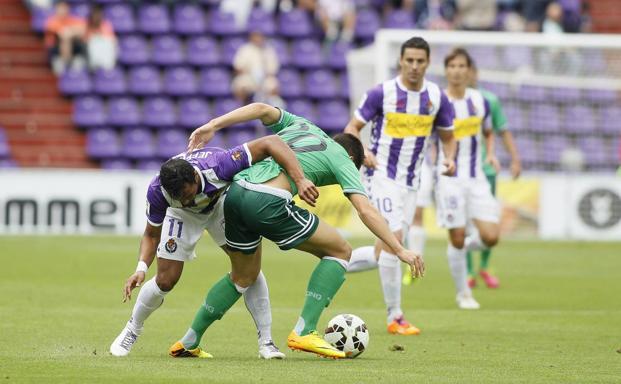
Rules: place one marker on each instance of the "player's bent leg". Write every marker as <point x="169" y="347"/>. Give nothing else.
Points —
<point x="489" y="233"/>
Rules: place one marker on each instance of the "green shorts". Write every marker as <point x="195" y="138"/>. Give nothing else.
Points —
<point x="254" y="210"/>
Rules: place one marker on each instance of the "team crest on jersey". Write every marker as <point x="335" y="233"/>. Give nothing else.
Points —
<point x="171" y="246"/>
<point x="236" y="155"/>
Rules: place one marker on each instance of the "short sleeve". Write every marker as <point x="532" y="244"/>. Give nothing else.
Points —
<point x="286" y="119"/>
<point x="499" y="119"/>
<point x="156" y="205"/>
<point x="487" y="115"/>
<point x="226" y="164"/>
<point x="446" y="114"/>
<point x="370" y="104"/>
<point x="348" y="177"/>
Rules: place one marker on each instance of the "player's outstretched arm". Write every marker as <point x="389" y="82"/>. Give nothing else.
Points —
<point x="148" y="245"/>
<point x="376" y="223"/>
<point x="275" y="147"/>
<point x="516" y="164"/>
<point x="264" y="112"/>
<point x="449" y="147"/>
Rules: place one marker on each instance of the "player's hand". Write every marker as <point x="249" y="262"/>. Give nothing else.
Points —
<point x="516" y="168"/>
<point x="493" y="161"/>
<point x="132" y="282"/>
<point x="307" y="191"/>
<point x="449" y="167"/>
<point x="201" y="136"/>
<point x="369" y="159"/>
<point x="415" y="261"/>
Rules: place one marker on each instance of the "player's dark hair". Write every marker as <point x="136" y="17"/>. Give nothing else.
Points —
<point x="174" y="174"/>
<point x="353" y="146"/>
<point x="417" y="43"/>
<point x="456" y="53"/>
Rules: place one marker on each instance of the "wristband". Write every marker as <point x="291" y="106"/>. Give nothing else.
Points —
<point x="142" y="267"/>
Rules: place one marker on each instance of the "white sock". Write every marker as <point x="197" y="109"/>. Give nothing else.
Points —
<point x="362" y="259"/>
<point x="390" y="277"/>
<point x="257" y="298"/>
<point x="149" y="299"/>
<point x="416" y="239"/>
<point x="459" y="270"/>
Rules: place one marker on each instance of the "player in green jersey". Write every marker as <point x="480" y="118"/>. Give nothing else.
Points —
<point x="259" y="204"/>
<point x="499" y="127"/>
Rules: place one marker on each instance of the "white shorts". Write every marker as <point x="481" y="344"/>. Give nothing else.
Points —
<point x="182" y="229"/>
<point x="396" y="203"/>
<point x="461" y="200"/>
<point x="424" y="197"/>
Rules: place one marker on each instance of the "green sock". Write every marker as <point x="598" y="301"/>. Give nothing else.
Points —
<point x="485" y="254"/>
<point x="469" y="263"/>
<point x="219" y="299"/>
<point x="325" y="281"/>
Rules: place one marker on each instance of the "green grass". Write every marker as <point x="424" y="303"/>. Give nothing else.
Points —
<point x="557" y="318"/>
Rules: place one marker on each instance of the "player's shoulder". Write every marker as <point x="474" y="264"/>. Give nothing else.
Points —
<point x="489" y="96"/>
<point x="474" y="94"/>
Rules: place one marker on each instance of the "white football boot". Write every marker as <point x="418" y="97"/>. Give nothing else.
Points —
<point x="466" y="301"/>
<point x="122" y="345"/>
<point x="270" y="351"/>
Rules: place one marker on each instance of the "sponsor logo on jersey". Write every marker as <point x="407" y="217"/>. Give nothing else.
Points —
<point x="402" y="125"/>
<point x="171" y="246"/>
<point x="467" y="127"/>
<point x="236" y="155"/>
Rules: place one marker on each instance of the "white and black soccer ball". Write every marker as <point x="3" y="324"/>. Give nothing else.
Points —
<point x="347" y="333"/>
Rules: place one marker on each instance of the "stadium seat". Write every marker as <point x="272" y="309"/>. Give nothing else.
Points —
<point x="8" y="164"/>
<point x="399" y="19"/>
<point x="551" y="149"/>
<point x="39" y="17"/>
<point x="109" y="82"/>
<point x="102" y="143"/>
<point x="215" y="82"/>
<point x="306" y="54"/>
<point x="600" y="96"/>
<point x="74" y="82"/>
<point x="218" y="141"/>
<point x="531" y="93"/>
<point x="88" y="111"/>
<point x="528" y="150"/>
<point x="133" y="50"/>
<point x="121" y="16"/>
<point x="171" y="142"/>
<point x="158" y="112"/>
<point x="153" y="19"/>
<point x="595" y="150"/>
<point x="123" y="111"/>
<point x="193" y="112"/>
<point x="152" y="165"/>
<point x="291" y="83"/>
<point x="578" y="119"/>
<point x="295" y="24"/>
<point x="282" y="51"/>
<point x="80" y="9"/>
<point x="515" y="118"/>
<point x="167" y="50"/>
<point x="225" y="105"/>
<point x="180" y="81"/>
<point x="5" y="150"/>
<point x="229" y="47"/>
<point x="260" y="20"/>
<point x="565" y="95"/>
<point x="303" y="108"/>
<point x="144" y="81"/>
<point x="116" y="164"/>
<point x="137" y="143"/>
<point x="203" y="51"/>
<point x="336" y="55"/>
<point x="344" y="87"/>
<point x="543" y="118"/>
<point x="223" y="24"/>
<point x="188" y="19"/>
<point x="517" y="57"/>
<point x="485" y="56"/>
<point x="503" y="91"/>
<point x="332" y="116"/>
<point x="320" y="84"/>
<point x="609" y="118"/>
<point x="239" y="137"/>
<point x="367" y="23"/>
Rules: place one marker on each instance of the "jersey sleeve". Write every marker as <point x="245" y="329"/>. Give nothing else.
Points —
<point x="487" y="116"/>
<point x="446" y="114"/>
<point x="348" y="176"/>
<point x="499" y="119"/>
<point x="156" y="205"/>
<point x="286" y="119"/>
<point x="370" y="104"/>
<point x="226" y="164"/>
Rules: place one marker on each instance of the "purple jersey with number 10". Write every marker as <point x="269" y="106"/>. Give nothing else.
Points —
<point x="216" y="168"/>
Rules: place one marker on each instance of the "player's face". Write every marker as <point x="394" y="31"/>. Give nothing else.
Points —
<point x="188" y="193"/>
<point x="458" y="71"/>
<point x="413" y="63"/>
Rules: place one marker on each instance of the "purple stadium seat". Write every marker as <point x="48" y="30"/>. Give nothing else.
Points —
<point x="218" y="141"/>
<point x="291" y="83"/>
<point x="152" y="165"/>
<point x="515" y="118"/>
<point x="193" y="112"/>
<point x="215" y="82"/>
<point x="180" y="81"/>
<point x="133" y="50"/>
<point x="240" y="137"/>
<point x="344" y="88"/>
<point x="74" y="82"/>
<point x="224" y="105"/>
<point x="551" y="149"/>
<point x="8" y="164"/>
<point x="223" y="24"/>
<point x="531" y="93"/>
<point x="121" y="16"/>
<point x="321" y="84"/>
<point x="595" y="150"/>
<point x="336" y="55"/>
<point x="544" y="118"/>
<point x="600" y="96"/>
<point x="229" y="48"/>
<point x="5" y="150"/>
<point x="565" y="95"/>
<point x="306" y="54"/>
<point x="485" y="56"/>
<point x="332" y="116"/>
<point x="295" y="24"/>
<point x="81" y="10"/>
<point x="167" y="50"/>
<point x="123" y="111"/>
<point x="144" y="80"/>
<point x="203" y="51"/>
<point x="102" y="143"/>
<point x="153" y="19"/>
<point x="579" y="119"/>
<point x="109" y="82"/>
<point x="609" y="118"/>
<point x="502" y="90"/>
<point x="88" y="111"/>
<point x="116" y="164"/>
<point x="188" y="19"/>
<point x="171" y="142"/>
<point x="399" y="19"/>
<point x="282" y="51"/>
<point x="138" y="143"/>
<point x="515" y="57"/>
<point x="303" y="108"/>
<point x="260" y="20"/>
<point x="39" y="17"/>
<point x="159" y="112"/>
<point x="528" y="150"/>
<point x="367" y="23"/>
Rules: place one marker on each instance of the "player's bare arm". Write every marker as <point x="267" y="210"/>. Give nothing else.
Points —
<point x="148" y="245"/>
<point x="376" y="223"/>
<point x="490" y="147"/>
<point x="354" y="127"/>
<point x="449" y="146"/>
<point x="516" y="164"/>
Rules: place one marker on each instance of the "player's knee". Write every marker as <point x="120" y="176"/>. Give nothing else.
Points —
<point x="458" y="239"/>
<point x="490" y="239"/>
<point x="344" y="251"/>
<point x="244" y="280"/>
<point x="166" y="282"/>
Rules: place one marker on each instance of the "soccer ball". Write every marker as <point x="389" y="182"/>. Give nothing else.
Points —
<point x="347" y="333"/>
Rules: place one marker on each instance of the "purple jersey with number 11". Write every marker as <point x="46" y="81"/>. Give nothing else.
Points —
<point x="216" y="168"/>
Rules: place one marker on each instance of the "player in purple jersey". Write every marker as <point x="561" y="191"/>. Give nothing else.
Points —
<point x="403" y="112"/>
<point x="183" y="200"/>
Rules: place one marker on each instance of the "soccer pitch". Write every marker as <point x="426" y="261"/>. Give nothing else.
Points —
<point x="556" y="318"/>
